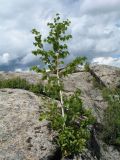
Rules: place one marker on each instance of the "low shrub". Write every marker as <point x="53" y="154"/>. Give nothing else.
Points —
<point x="21" y="84"/>
<point x="87" y="67"/>
<point x="73" y="137"/>
<point x="111" y="130"/>
<point x="36" y="88"/>
<point x="50" y="91"/>
<point x="111" y="95"/>
<point x="111" y="117"/>
<point x="14" y="83"/>
<point x="111" y="120"/>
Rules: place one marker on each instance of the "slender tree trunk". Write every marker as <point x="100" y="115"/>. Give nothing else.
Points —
<point x="61" y="93"/>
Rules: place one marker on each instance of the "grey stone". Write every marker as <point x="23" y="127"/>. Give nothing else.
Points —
<point x="92" y="97"/>
<point x="109" y="75"/>
<point x="22" y="135"/>
<point x="29" y="76"/>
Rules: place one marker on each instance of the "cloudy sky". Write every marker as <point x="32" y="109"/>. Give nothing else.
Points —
<point x="95" y="28"/>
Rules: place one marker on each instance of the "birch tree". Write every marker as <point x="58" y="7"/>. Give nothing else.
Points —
<point x="53" y="60"/>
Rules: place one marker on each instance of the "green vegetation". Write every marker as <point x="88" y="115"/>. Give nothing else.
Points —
<point x="68" y="118"/>
<point x="74" y="136"/>
<point x="14" y="83"/>
<point x="96" y="84"/>
<point x="21" y="84"/>
<point x="87" y="67"/>
<point x="111" y="130"/>
<point x="111" y="118"/>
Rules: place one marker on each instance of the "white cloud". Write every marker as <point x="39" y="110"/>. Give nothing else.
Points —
<point x="95" y="27"/>
<point x="5" y="58"/>
<point x="100" y="6"/>
<point x="107" y="61"/>
<point x="21" y="70"/>
<point x="18" y="70"/>
<point x="95" y="35"/>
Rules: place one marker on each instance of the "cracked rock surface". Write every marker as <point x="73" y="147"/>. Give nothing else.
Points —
<point x="22" y="135"/>
<point x="109" y="75"/>
<point x="92" y="97"/>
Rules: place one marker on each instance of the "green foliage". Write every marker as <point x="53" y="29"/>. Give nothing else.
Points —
<point x="55" y="39"/>
<point x="111" y="117"/>
<point x="111" y="131"/>
<point x="106" y="94"/>
<point x="111" y="95"/>
<point x="70" y="68"/>
<point x="36" y="88"/>
<point x="49" y="90"/>
<point x="21" y="84"/>
<point x="59" y="49"/>
<point x="52" y="88"/>
<point x="14" y="83"/>
<point x="87" y="67"/>
<point x="69" y="118"/>
<point x="73" y="138"/>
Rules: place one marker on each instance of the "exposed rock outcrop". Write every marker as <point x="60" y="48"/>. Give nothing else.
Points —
<point x="30" y="77"/>
<point x="24" y="137"/>
<point x="92" y="97"/>
<point x="110" y="76"/>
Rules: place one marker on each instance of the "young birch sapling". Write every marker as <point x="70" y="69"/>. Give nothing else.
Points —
<point x="53" y="59"/>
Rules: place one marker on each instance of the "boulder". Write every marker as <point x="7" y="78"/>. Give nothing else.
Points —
<point x="22" y="135"/>
<point x="92" y="97"/>
<point x="31" y="77"/>
<point x="110" y="76"/>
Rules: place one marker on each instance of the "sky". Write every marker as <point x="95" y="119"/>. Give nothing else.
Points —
<point x="95" y="27"/>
